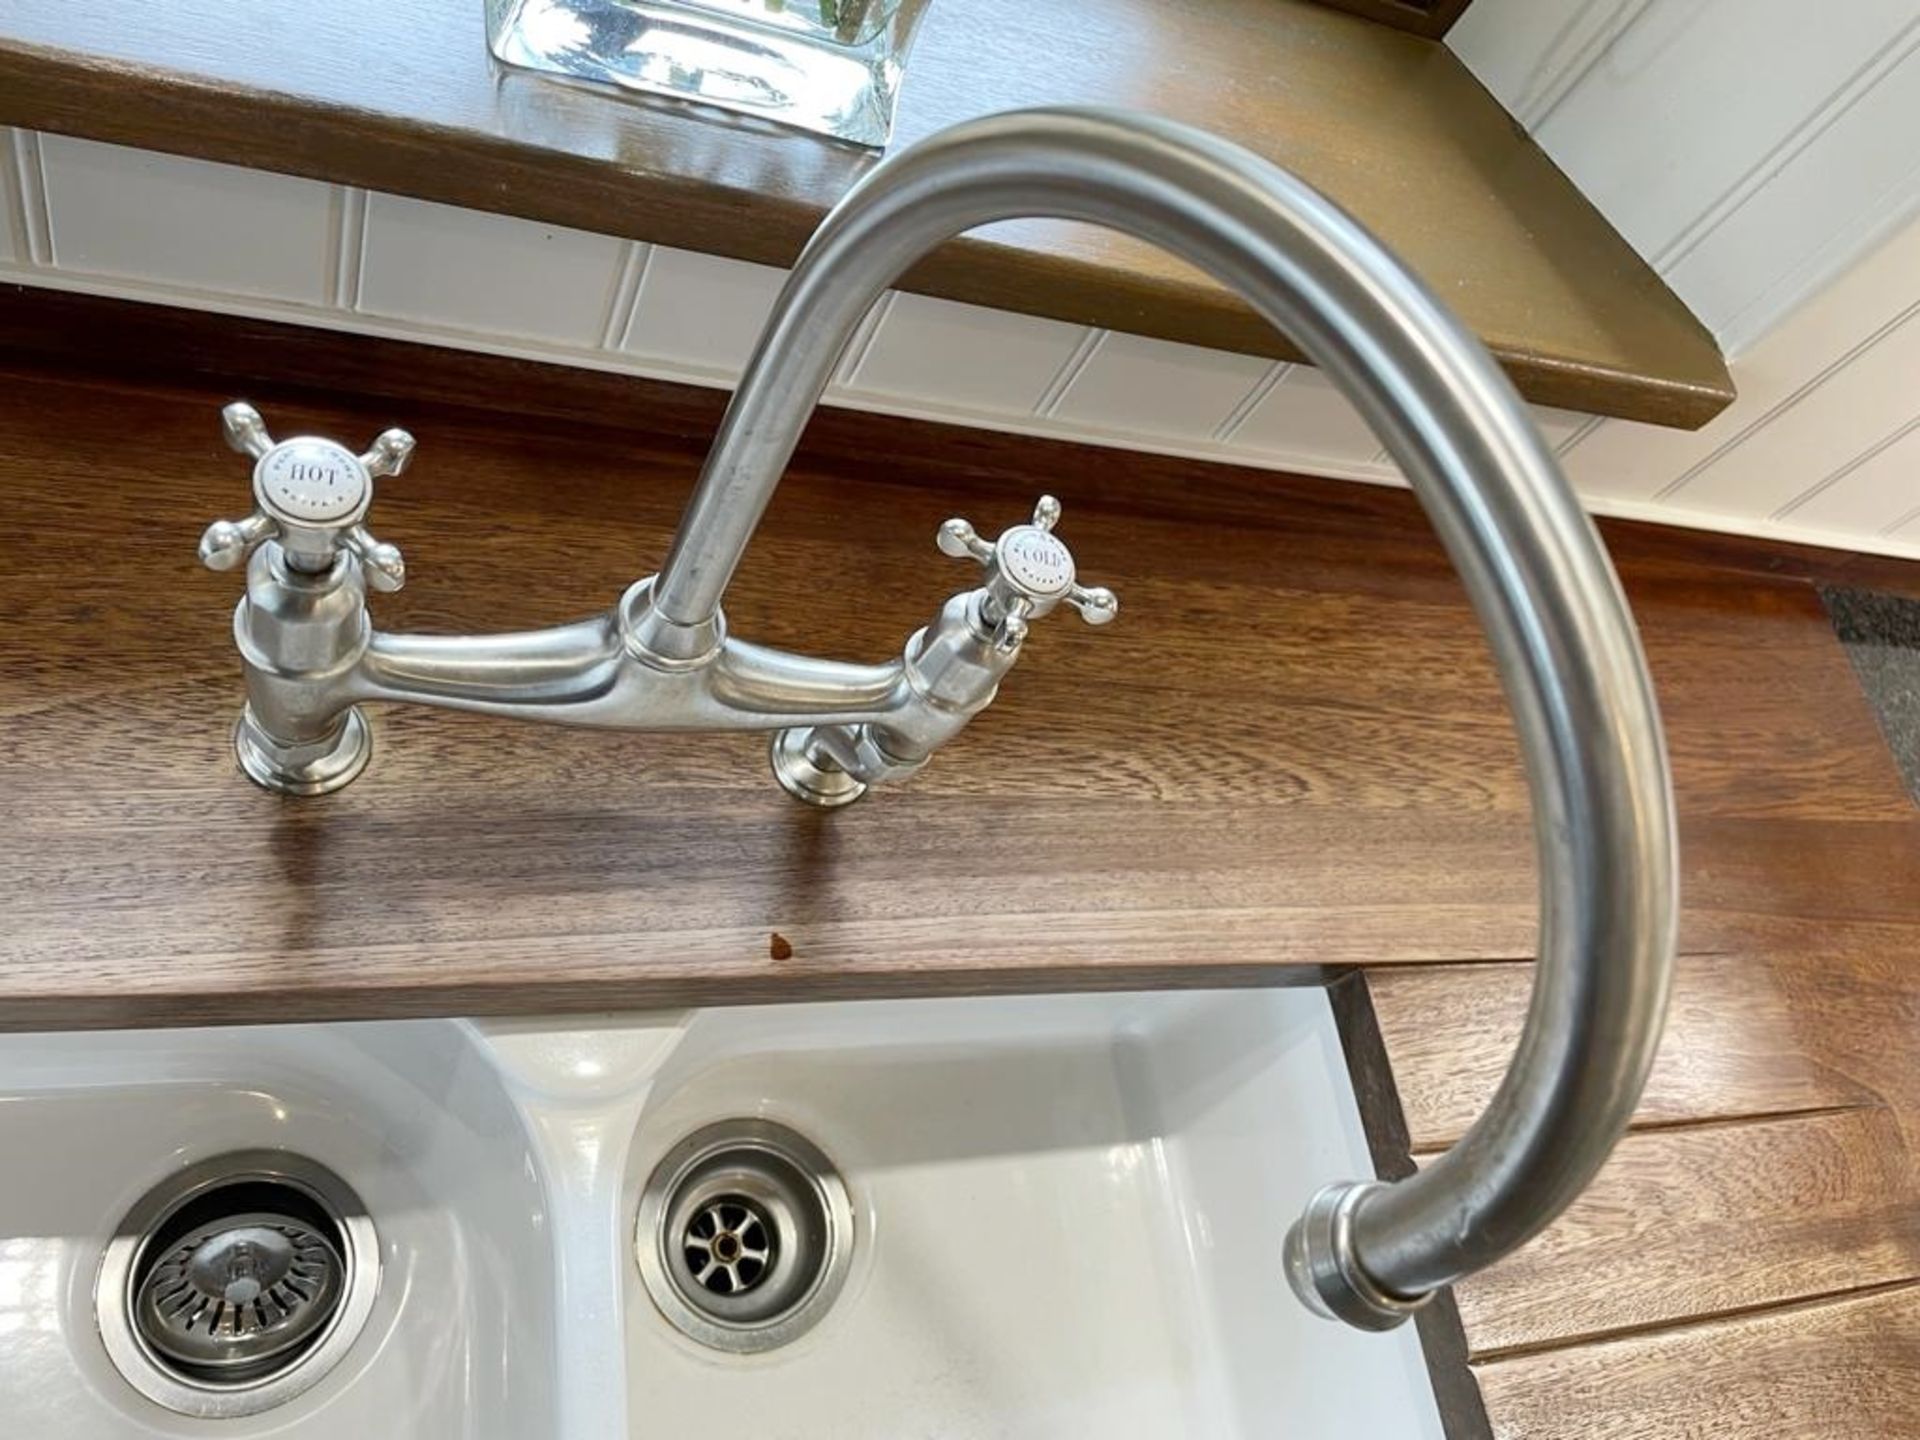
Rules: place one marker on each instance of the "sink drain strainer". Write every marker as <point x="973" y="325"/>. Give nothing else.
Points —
<point x="237" y="1284"/>
<point x="744" y="1235"/>
<point x="730" y="1245"/>
<point x="234" y="1294"/>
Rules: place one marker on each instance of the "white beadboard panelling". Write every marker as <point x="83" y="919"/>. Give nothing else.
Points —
<point x="1138" y="386"/>
<point x="1862" y="404"/>
<point x="1751" y="150"/>
<point x="1873" y="493"/>
<point x="13" y="223"/>
<point x="349" y="240"/>
<point x="1781" y="242"/>
<point x="701" y="311"/>
<point x="28" y="195"/>
<point x="1624" y="460"/>
<point x="473" y="271"/>
<point x="1823" y="445"/>
<point x="131" y="213"/>
<point x="1532" y="54"/>
<point x="1558" y="426"/>
<point x="964" y="357"/>
<point x="1305" y="415"/>
<point x="626" y="292"/>
<point x="1723" y="81"/>
<point x="1806" y="351"/>
<point x="1903" y="541"/>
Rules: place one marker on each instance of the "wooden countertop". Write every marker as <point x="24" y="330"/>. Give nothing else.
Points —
<point x="404" y="97"/>
<point x="1100" y="825"/>
<point x="1747" y="1266"/>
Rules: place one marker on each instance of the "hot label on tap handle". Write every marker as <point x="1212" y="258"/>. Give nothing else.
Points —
<point x="312" y="481"/>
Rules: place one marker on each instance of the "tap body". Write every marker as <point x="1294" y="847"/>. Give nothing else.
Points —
<point x="312" y="656"/>
<point x="661" y="658"/>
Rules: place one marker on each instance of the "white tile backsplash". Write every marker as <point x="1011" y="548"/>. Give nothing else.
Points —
<point x="1774" y="247"/>
<point x="1558" y="426"/>
<point x="1155" y="387"/>
<point x="489" y="273"/>
<point x="1305" y="415"/>
<point x="159" y="218"/>
<point x="32" y="243"/>
<point x="1824" y="444"/>
<point x="1827" y="428"/>
<point x="964" y="357"/>
<point x="701" y="310"/>
<point x="12" y="221"/>
<point x="1873" y="493"/>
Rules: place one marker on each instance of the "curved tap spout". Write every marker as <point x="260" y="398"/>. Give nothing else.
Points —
<point x="1539" y="579"/>
<point x="661" y="659"/>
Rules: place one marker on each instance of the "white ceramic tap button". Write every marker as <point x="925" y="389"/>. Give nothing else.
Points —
<point x="1035" y="562"/>
<point x="309" y="481"/>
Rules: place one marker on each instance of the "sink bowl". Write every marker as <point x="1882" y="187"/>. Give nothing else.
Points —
<point x="1051" y="1216"/>
<point x="1067" y="1215"/>
<point x="413" y="1115"/>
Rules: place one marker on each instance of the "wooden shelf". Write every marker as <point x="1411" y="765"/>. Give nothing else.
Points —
<point x="404" y="97"/>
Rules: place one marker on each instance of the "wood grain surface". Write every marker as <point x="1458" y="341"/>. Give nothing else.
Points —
<point x="1734" y="1044"/>
<point x="1421" y="17"/>
<point x="1097" y="826"/>
<point x="1836" y="1370"/>
<point x="1705" y="1220"/>
<point x="1749" y="1189"/>
<point x="1743" y="1267"/>
<point x="405" y="98"/>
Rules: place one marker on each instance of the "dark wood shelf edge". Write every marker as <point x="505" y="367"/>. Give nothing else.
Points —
<point x="1431" y="18"/>
<point x="115" y="101"/>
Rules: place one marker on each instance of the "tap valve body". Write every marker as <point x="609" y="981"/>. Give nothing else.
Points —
<point x="303" y="620"/>
<point x="312" y="655"/>
<point x="951" y="669"/>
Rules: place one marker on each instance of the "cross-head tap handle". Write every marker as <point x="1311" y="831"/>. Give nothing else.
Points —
<point x="311" y="495"/>
<point x="1029" y="572"/>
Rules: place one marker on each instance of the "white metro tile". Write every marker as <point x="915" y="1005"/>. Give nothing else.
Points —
<point x="1155" y="387"/>
<point x="11" y="220"/>
<point x="704" y="311"/>
<point x="1305" y="416"/>
<point x="140" y="215"/>
<point x="495" y="274"/>
<point x="965" y="355"/>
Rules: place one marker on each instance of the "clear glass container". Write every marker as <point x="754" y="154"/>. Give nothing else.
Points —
<point x="829" y="66"/>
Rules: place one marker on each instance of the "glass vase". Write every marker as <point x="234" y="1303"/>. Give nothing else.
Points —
<point x="829" y="66"/>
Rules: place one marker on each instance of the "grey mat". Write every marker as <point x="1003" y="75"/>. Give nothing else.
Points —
<point x="1882" y="636"/>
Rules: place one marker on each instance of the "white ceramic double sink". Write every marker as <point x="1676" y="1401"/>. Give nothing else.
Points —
<point x="1067" y="1215"/>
